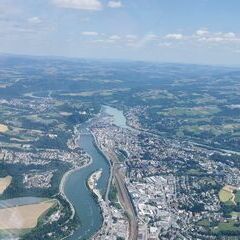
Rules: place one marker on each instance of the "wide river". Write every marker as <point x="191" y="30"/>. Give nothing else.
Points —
<point x="75" y="187"/>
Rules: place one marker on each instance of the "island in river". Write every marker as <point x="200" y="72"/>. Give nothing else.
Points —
<point x="75" y="184"/>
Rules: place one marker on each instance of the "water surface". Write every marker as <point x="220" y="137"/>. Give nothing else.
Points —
<point x="80" y="196"/>
<point x="75" y="187"/>
<point x="117" y="115"/>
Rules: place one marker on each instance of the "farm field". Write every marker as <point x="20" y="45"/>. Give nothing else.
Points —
<point x="3" y="128"/>
<point x="27" y="216"/>
<point x="4" y="183"/>
<point x="226" y="194"/>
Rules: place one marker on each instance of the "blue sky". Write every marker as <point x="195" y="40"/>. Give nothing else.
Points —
<point x="188" y="31"/>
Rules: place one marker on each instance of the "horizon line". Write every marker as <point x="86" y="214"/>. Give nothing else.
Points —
<point x="60" y="57"/>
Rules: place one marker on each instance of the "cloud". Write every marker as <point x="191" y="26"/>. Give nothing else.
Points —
<point x="151" y="37"/>
<point x="103" y="38"/>
<point x="98" y="41"/>
<point x="89" y="33"/>
<point x="146" y="39"/>
<point x="219" y="37"/>
<point x="131" y="36"/>
<point x="202" y="32"/>
<point x="115" y="37"/>
<point x="174" y="36"/>
<point x="211" y="39"/>
<point x="165" y="44"/>
<point x="79" y="4"/>
<point x="204" y="35"/>
<point x="34" y="20"/>
<point x="115" y="4"/>
<point x="230" y="35"/>
<point x="201" y="37"/>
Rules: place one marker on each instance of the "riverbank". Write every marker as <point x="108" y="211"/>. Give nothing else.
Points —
<point x="99" y="199"/>
<point x="62" y="193"/>
<point x="82" y="201"/>
<point x="64" y="179"/>
<point x="98" y="147"/>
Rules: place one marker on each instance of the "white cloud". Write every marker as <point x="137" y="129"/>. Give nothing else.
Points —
<point x="211" y="39"/>
<point x="115" y="4"/>
<point x="172" y="40"/>
<point x="131" y="36"/>
<point x="115" y="37"/>
<point x="34" y="20"/>
<point x="98" y="41"/>
<point x="219" y="37"/>
<point x="174" y="36"/>
<point x="79" y="4"/>
<point x="205" y="36"/>
<point x="146" y="39"/>
<point x="89" y="33"/>
<point x="150" y="37"/>
<point x="230" y="35"/>
<point x="165" y="44"/>
<point x="202" y="32"/>
<point x="106" y="39"/>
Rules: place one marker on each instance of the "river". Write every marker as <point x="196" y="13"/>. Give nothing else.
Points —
<point x="75" y="187"/>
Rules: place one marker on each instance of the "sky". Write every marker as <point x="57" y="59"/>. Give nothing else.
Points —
<point x="185" y="31"/>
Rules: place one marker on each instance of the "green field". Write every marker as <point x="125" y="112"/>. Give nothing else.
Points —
<point x="235" y="214"/>
<point x="227" y="227"/>
<point x="195" y="111"/>
<point x="204" y="223"/>
<point x="237" y="197"/>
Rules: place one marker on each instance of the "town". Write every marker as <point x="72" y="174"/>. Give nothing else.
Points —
<point x="174" y="185"/>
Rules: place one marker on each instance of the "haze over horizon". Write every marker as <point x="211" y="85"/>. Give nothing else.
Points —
<point x="187" y="31"/>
